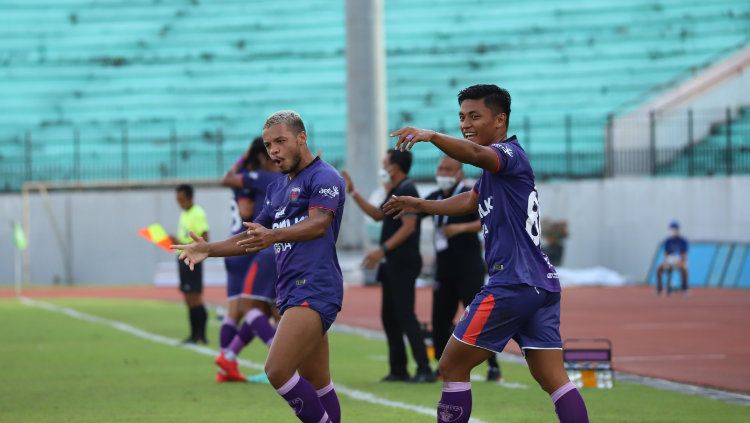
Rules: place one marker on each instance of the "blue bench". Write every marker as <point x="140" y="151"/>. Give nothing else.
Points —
<point x="711" y="264"/>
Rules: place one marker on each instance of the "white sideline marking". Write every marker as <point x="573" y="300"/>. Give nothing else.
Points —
<point x="159" y="339"/>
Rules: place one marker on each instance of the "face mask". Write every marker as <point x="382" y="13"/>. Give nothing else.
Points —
<point x="445" y="182"/>
<point x="384" y="176"/>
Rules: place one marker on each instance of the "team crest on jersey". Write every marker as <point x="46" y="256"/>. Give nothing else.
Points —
<point x="465" y="315"/>
<point x="296" y="405"/>
<point x="294" y="194"/>
<point x="449" y="413"/>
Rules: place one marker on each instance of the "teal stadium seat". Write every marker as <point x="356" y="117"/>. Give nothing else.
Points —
<point x="200" y="67"/>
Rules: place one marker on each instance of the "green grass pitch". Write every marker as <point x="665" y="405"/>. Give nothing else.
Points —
<point x="56" y="368"/>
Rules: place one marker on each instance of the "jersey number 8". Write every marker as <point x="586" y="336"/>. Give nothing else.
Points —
<point x="533" y="227"/>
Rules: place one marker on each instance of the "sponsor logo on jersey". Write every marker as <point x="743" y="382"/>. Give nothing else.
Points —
<point x="507" y="150"/>
<point x="331" y="192"/>
<point x="280" y="213"/>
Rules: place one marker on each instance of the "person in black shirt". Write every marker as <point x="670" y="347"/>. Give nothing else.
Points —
<point x="399" y="246"/>
<point x="460" y="269"/>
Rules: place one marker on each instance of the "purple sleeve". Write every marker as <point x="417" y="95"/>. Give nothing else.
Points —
<point x="508" y="158"/>
<point x="264" y="217"/>
<point x="327" y="190"/>
<point x="251" y="180"/>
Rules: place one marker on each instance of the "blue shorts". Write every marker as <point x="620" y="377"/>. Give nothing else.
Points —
<point x="236" y="271"/>
<point x="528" y="315"/>
<point x="326" y="310"/>
<point x="260" y="280"/>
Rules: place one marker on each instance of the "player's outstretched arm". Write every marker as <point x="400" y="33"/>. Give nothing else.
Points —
<point x="371" y="210"/>
<point x="199" y="250"/>
<point x="461" y="150"/>
<point x="458" y="205"/>
<point x="313" y="227"/>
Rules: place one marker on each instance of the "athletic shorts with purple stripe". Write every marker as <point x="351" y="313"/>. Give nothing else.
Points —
<point x="527" y="314"/>
<point x="236" y="271"/>
<point x="260" y="280"/>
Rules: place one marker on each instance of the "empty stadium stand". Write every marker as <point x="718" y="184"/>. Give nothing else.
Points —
<point x="150" y="89"/>
<point x="725" y="151"/>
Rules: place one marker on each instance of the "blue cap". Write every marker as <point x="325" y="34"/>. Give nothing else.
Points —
<point x="674" y="224"/>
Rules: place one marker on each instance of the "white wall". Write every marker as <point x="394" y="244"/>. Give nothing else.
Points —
<point x="618" y="223"/>
<point x="615" y="223"/>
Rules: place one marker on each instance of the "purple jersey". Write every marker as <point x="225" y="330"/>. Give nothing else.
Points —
<point x="309" y="267"/>
<point x="509" y="210"/>
<point x="234" y="209"/>
<point x="254" y="186"/>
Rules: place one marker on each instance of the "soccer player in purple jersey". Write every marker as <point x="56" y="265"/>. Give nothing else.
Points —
<point x="300" y="218"/>
<point x="251" y="278"/>
<point x="522" y="298"/>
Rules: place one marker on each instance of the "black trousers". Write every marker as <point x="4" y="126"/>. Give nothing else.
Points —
<point x="397" y="315"/>
<point x="461" y="284"/>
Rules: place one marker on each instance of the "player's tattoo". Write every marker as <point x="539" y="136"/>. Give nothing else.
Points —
<point x="327" y="213"/>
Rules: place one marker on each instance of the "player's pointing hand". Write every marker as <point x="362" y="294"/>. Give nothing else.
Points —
<point x="408" y="136"/>
<point x="194" y="253"/>
<point x="401" y="205"/>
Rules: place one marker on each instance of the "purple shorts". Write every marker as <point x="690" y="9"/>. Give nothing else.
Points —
<point x="327" y="311"/>
<point x="260" y="280"/>
<point x="528" y="315"/>
<point x="236" y="272"/>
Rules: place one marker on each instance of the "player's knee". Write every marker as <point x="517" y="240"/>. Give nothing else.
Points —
<point x="550" y="381"/>
<point x="451" y="371"/>
<point x="277" y="375"/>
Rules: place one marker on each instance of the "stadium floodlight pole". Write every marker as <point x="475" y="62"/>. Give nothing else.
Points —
<point x="367" y="130"/>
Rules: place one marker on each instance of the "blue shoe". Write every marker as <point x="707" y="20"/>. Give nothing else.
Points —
<point x="261" y="378"/>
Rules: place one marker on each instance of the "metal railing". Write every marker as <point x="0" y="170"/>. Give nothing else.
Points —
<point x="567" y="147"/>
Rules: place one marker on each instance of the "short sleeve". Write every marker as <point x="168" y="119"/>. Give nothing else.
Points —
<point x="327" y="190"/>
<point x="264" y="217"/>
<point x="251" y="180"/>
<point x="510" y="159"/>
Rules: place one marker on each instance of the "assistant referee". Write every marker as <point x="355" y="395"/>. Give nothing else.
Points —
<point x="192" y="219"/>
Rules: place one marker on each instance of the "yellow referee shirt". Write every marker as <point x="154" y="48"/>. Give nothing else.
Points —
<point x="193" y="219"/>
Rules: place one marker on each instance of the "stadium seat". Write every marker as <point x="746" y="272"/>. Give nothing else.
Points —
<point x="203" y="66"/>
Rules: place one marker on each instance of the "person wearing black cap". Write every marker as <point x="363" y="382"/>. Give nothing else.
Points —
<point x="675" y="257"/>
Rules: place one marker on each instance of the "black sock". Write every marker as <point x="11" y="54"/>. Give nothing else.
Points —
<point x="492" y="361"/>
<point x="201" y="316"/>
<point x="193" y="317"/>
